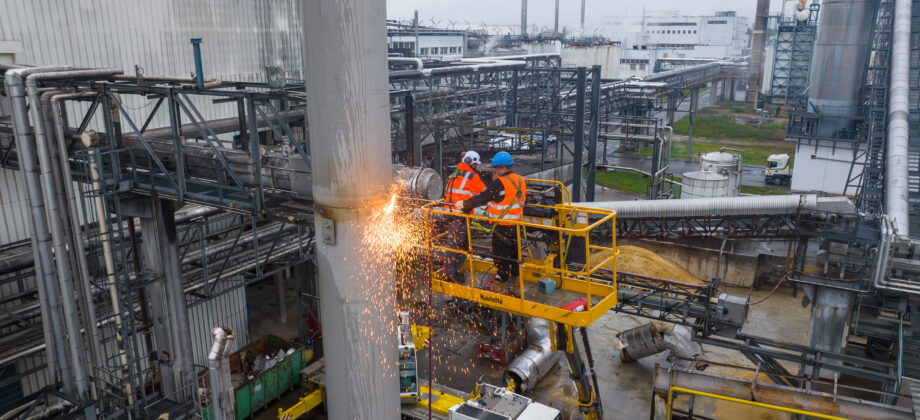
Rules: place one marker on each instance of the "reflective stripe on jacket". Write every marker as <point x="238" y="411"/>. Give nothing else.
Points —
<point x="511" y="207"/>
<point x="463" y="185"/>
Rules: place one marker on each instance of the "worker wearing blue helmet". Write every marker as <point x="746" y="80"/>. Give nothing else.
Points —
<point x="504" y="197"/>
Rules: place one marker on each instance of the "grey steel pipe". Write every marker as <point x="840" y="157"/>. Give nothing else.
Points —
<point x="49" y="296"/>
<point x="186" y="83"/>
<point x="226" y="244"/>
<point x="897" y="205"/>
<point x="59" y="220"/>
<point x="495" y="64"/>
<point x="536" y="360"/>
<point x="76" y="236"/>
<point x="721" y="206"/>
<point x="218" y="362"/>
<point x="348" y="108"/>
<point x="58" y="232"/>
<point x="419" y="65"/>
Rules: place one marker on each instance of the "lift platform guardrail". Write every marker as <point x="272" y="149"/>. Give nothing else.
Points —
<point x="582" y="294"/>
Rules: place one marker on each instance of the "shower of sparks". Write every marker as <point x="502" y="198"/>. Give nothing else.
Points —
<point x="395" y="233"/>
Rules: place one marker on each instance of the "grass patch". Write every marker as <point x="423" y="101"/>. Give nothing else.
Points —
<point x="625" y="181"/>
<point x="754" y="189"/>
<point x="754" y="154"/>
<point x="724" y="127"/>
<point x="638" y="183"/>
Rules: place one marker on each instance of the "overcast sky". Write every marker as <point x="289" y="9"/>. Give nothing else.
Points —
<point x="540" y="12"/>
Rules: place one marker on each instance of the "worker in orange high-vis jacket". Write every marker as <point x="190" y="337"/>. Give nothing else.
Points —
<point x="463" y="184"/>
<point x="504" y="197"/>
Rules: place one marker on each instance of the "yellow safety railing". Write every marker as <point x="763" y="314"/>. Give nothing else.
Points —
<point x="565" y="223"/>
<point x="677" y="389"/>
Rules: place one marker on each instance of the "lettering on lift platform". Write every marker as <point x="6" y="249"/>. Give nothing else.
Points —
<point x="490" y="299"/>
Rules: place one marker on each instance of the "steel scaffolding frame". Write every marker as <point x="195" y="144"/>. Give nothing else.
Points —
<point x="795" y="42"/>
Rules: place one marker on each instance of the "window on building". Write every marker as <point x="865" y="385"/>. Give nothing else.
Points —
<point x="694" y="31"/>
<point x="632" y="66"/>
<point x="424" y="51"/>
<point x="642" y="67"/>
<point x="443" y="50"/>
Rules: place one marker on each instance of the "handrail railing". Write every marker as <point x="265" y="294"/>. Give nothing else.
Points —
<point x="560" y="228"/>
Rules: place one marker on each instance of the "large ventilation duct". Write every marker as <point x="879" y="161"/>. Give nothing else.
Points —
<point x="723" y="206"/>
<point x="348" y="111"/>
<point x="840" y="52"/>
<point x="896" y="160"/>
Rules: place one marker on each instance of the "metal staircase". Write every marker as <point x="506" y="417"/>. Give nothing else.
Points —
<point x="119" y="363"/>
<point x="868" y="182"/>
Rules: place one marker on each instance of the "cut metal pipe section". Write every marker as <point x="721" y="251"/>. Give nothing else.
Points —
<point x="348" y="110"/>
<point x="536" y="360"/>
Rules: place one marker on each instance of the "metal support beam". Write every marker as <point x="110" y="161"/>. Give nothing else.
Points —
<point x="579" y="133"/>
<point x="162" y="258"/>
<point x="279" y="287"/>
<point x="593" y="131"/>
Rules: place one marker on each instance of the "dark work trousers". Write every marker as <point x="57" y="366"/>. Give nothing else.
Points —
<point x="453" y="261"/>
<point x="505" y="248"/>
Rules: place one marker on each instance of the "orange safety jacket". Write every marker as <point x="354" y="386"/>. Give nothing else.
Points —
<point x="511" y="206"/>
<point x="463" y="185"/>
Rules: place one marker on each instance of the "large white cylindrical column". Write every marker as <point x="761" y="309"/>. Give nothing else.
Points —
<point x="345" y="56"/>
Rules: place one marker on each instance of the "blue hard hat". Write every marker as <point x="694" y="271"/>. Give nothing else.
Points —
<point x="502" y="159"/>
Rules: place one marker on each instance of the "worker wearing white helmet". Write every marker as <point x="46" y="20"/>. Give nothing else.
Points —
<point x="463" y="184"/>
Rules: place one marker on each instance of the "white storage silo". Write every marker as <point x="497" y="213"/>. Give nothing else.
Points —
<point x="703" y="184"/>
<point x="727" y="164"/>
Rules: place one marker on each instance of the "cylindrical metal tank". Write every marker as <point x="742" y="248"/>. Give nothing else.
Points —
<point x="838" y="60"/>
<point x="701" y="184"/>
<point x="726" y="164"/>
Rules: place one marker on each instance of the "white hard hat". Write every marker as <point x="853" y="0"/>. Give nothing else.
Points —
<point x="471" y="158"/>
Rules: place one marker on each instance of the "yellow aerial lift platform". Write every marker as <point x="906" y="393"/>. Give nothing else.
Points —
<point x="559" y="281"/>
<point x="581" y="294"/>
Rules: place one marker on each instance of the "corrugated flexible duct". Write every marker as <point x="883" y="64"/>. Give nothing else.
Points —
<point x="716" y="206"/>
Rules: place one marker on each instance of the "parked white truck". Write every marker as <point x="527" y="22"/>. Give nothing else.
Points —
<point x="778" y="170"/>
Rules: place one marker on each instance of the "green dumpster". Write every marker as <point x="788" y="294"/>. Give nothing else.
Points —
<point x="254" y="391"/>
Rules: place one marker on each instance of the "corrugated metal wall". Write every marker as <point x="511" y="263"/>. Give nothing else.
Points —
<point x="227" y="310"/>
<point x="240" y="38"/>
<point x="14" y="213"/>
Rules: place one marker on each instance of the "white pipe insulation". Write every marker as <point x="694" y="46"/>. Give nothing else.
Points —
<point x="348" y="103"/>
<point x="896" y="159"/>
<point x="715" y="206"/>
